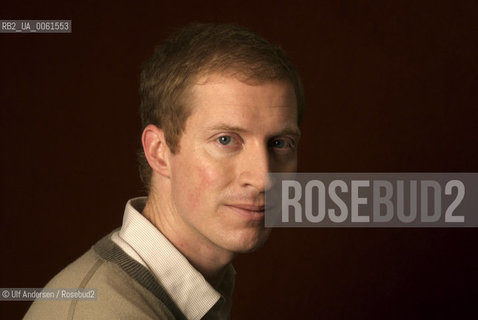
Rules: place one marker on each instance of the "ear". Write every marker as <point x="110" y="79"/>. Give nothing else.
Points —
<point x="156" y="150"/>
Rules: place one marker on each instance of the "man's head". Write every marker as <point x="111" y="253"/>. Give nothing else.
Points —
<point x="194" y="52"/>
<point x="220" y="108"/>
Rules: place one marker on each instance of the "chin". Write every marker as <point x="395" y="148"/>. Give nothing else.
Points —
<point x="246" y="243"/>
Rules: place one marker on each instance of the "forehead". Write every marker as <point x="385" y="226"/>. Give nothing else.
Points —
<point x="220" y="97"/>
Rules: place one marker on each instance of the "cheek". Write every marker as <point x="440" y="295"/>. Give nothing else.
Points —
<point x="205" y="183"/>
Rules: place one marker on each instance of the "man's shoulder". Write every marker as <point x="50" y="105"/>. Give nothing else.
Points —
<point x="124" y="288"/>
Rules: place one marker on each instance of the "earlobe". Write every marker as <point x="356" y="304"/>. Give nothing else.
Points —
<point x="156" y="149"/>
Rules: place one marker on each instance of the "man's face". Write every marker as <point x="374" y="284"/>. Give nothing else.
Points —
<point x="236" y="133"/>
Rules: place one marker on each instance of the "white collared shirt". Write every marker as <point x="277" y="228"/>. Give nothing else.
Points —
<point x="188" y="288"/>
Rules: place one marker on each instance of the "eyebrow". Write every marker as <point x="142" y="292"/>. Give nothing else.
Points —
<point x="291" y="131"/>
<point x="225" y="127"/>
<point x="295" y="131"/>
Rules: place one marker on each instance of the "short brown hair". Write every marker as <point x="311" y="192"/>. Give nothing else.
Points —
<point x="195" y="50"/>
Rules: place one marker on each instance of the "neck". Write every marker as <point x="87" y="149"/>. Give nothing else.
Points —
<point x="209" y="259"/>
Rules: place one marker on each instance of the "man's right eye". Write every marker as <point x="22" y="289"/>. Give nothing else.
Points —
<point x="225" y="140"/>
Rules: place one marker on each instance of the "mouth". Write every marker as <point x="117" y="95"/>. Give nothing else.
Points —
<point x="251" y="212"/>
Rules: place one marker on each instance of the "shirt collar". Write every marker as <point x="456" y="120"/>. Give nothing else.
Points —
<point x="187" y="287"/>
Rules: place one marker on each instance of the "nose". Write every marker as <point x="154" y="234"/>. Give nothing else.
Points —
<point x="254" y="167"/>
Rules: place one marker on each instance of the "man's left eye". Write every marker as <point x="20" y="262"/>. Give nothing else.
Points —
<point x="280" y="143"/>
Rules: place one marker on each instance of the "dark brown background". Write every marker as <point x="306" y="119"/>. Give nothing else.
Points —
<point x="391" y="87"/>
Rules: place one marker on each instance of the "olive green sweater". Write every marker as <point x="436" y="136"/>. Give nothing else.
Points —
<point x="125" y="289"/>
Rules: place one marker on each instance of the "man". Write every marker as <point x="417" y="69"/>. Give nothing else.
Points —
<point x="220" y="108"/>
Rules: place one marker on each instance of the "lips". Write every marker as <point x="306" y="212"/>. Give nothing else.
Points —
<point x="250" y="211"/>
